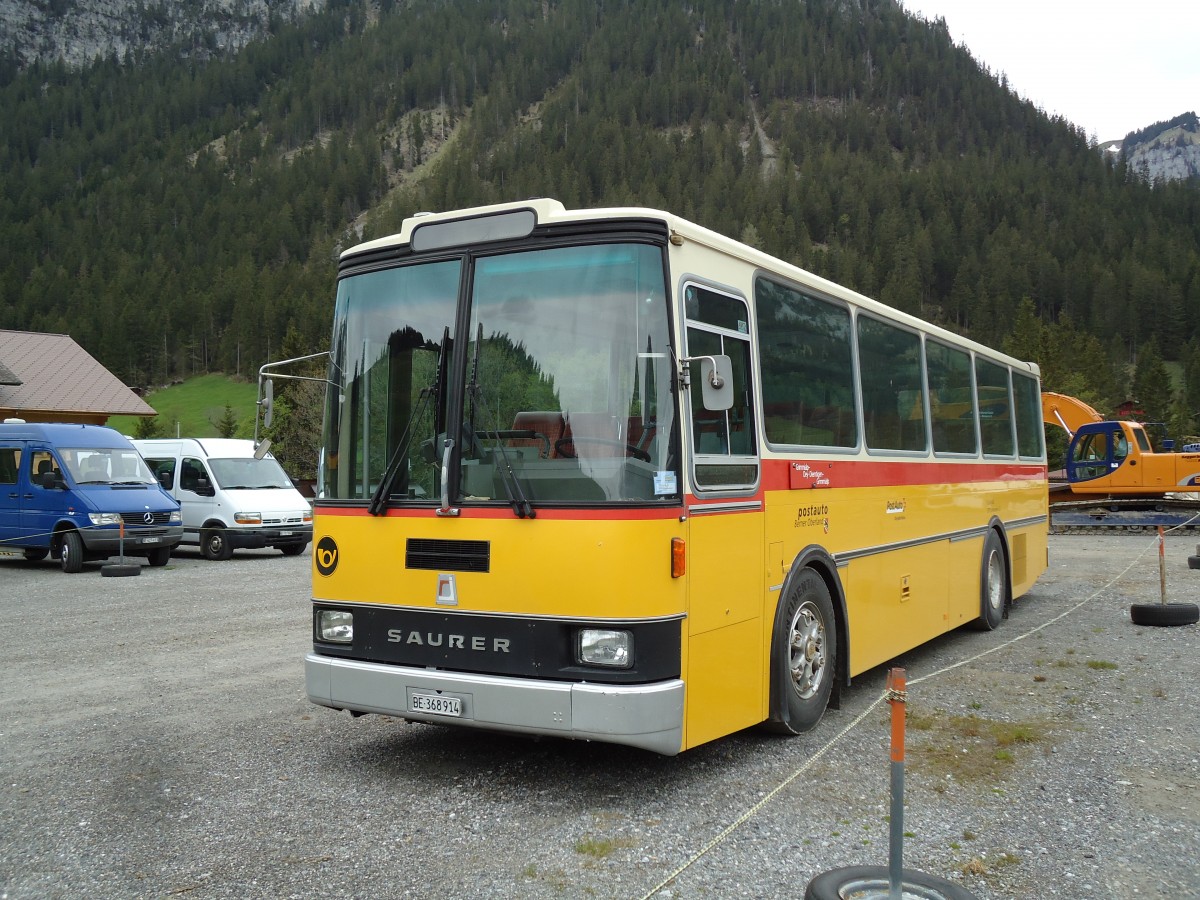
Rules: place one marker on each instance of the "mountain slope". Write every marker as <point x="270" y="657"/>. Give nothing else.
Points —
<point x="183" y="214"/>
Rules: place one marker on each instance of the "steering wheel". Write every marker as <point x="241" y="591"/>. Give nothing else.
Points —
<point x="565" y="447"/>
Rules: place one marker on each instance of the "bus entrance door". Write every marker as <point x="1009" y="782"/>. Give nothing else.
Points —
<point x="725" y="588"/>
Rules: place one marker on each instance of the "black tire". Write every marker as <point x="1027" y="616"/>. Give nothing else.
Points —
<point x="214" y="543"/>
<point x="159" y="556"/>
<point x="872" y="881"/>
<point x="293" y="549"/>
<point x="120" y="570"/>
<point x="803" y="655"/>
<point x="36" y="554"/>
<point x="72" y="552"/>
<point x="1194" y="562"/>
<point x="993" y="584"/>
<point x="1164" y="613"/>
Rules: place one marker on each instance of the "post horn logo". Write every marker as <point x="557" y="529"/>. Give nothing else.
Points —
<point x="326" y="555"/>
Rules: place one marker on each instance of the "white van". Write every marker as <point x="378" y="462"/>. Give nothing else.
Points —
<point x="230" y="499"/>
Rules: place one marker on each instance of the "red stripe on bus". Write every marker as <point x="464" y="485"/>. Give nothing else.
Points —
<point x="492" y="512"/>
<point x="819" y="474"/>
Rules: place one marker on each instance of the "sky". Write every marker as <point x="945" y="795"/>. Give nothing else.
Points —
<point x="1109" y="67"/>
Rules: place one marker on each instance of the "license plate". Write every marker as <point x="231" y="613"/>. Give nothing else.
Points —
<point x="437" y="704"/>
<point x="149" y="540"/>
<point x="286" y="533"/>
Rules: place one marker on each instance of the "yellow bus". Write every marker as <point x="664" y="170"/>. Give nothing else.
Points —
<point x="609" y="475"/>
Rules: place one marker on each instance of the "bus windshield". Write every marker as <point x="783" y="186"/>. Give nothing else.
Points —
<point x="558" y="392"/>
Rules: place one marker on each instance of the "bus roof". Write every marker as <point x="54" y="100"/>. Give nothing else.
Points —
<point x="545" y="211"/>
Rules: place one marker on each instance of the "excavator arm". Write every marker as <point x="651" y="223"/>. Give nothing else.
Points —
<point x="1066" y="412"/>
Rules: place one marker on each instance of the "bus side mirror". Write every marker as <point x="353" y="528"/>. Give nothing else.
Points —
<point x="268" y="403"/>
<point x="716" y="382"/>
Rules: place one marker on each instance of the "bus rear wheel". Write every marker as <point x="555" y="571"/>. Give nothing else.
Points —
<point x="993" y="584"/>
<point x="803" y="655"/>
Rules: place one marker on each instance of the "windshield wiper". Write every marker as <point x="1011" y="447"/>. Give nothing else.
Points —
<point x="521" y="506"/>
<point x="379" y="499"/>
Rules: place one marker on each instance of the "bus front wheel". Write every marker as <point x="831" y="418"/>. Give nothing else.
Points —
<point x="803" y="656"/>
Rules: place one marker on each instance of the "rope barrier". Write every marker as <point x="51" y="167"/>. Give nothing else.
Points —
<point x="25" y="537"/>
<point x="887" y="695"/>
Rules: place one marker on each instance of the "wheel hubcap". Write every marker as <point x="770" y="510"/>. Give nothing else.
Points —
<point x="995" y="582"/>
<point x="807" y="651"/>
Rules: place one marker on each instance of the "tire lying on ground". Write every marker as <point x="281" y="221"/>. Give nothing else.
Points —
<point x="870" y="882"/>
<point x="1164" y="613"/>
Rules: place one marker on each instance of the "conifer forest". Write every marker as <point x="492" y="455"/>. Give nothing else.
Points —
<point x="179" y="213"/>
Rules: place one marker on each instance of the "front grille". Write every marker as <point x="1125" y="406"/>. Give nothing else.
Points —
<point x="139" y="518"/>
<point x="285" y="520"/>
<point x="448" y="556"/>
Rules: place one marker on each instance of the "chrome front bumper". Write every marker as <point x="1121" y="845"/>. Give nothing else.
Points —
<point x="649" y="716"/>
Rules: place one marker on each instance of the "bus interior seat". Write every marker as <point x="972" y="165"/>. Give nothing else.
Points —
<point x="547" y="427"/>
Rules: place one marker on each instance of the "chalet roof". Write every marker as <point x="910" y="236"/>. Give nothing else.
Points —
<point x="51" y="374"/>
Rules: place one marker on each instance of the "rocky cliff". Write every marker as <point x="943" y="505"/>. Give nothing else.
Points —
<point x="78" y="31"/>
<point x="1167" y="151"/>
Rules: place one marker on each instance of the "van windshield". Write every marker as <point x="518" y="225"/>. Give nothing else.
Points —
<point x="90" y="465"/>
<point x="248" y="473"/>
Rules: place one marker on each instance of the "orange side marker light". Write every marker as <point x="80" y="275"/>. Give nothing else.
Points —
<point x="678" y="557"/>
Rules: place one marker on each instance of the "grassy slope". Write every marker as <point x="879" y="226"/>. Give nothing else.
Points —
<point x="192" y="408"/>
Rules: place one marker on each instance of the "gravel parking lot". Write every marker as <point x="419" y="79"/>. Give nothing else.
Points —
<point x="155" y="741"/>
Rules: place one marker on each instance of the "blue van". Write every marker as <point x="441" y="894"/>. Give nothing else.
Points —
<point x="67" y="490"/>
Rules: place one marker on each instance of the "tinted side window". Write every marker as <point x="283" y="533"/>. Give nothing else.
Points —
<point x="807" y="368"/>
<point x="995" y="408"/>
<point x="163" y="469"/>
<point x="892" y="387"/>
<point x="951" y="399"/>
<point x="1030" y="434"/>
<point x="10" y="462"/>
<point x="193" y="476"/>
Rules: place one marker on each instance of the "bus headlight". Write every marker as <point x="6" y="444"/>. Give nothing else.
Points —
<point x="336" y="626"/>
<point x="605" y="647"/>
<point x="104" y="518"/>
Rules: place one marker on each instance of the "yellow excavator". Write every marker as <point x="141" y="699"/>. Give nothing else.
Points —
<point x="1116" y="458"/>
<point x="1114" y="476"/>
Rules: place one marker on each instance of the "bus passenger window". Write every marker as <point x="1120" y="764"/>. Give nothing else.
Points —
<point x="892" y="386"/>
<point x="995" y="409"/>
<point x="951" y="399"/>
<point x="807" y="368"/>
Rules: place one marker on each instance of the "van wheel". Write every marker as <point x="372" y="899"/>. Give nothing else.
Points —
<point x="293" y="549"/>
<point x="72" y="552"/>
<point x="216" y="544"/>
<point x="159" y="556"/>
<point x="36" y="555"/>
